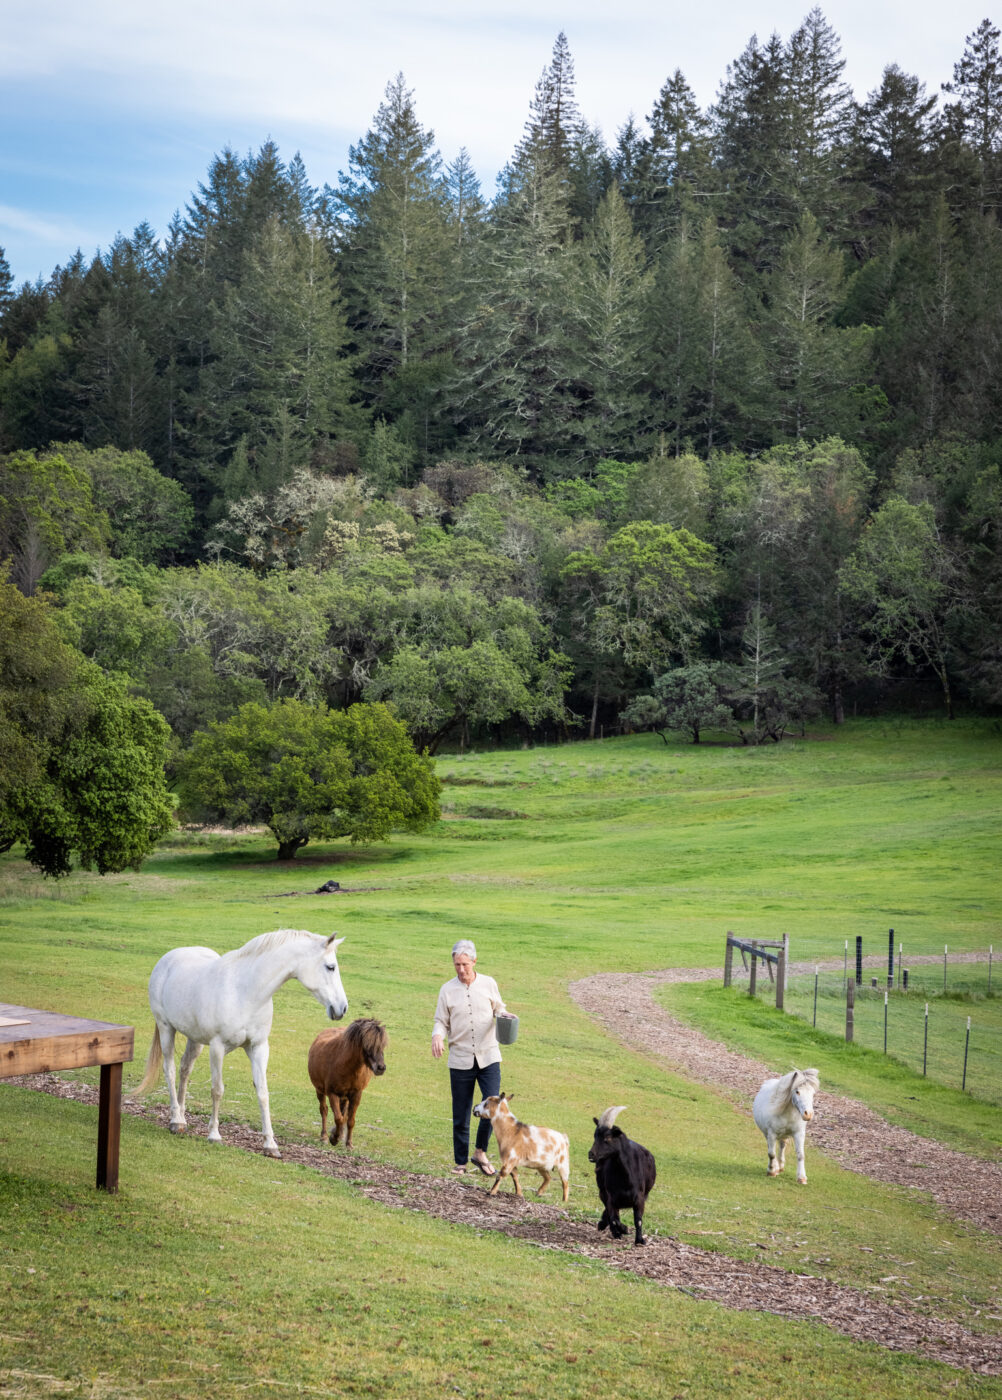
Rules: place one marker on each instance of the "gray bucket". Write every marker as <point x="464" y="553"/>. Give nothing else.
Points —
<point x="507" y="1028"/>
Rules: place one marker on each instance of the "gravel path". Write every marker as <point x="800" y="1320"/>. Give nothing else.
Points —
<point x="969" y="1188"/>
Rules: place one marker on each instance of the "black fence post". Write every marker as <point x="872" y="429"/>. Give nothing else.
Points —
<point x="890" y="958"/>
<point x="967" y="1043"/>
<point x="859" y="959"/>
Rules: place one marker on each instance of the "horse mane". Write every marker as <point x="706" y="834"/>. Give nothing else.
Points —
<point x="366" y="1036"/>
<point x="266" y="942"/>
<point x="609" y="1116"/>
<point x="783" y="1092"/>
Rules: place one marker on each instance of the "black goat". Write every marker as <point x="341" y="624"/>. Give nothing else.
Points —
<point x="624" y="1174"/>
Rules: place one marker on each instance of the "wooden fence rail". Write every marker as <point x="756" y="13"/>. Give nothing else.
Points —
<point x="755" y="949"/>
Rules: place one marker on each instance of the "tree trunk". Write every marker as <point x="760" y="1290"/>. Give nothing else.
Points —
<point x="288" y="849"/>
<point x="838" y="706"/>
<point x="947" y="693"/>
<point x="594" y="711"/>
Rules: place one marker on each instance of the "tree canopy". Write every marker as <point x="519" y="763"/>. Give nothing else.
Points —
<point x="309" y="773"/>
<point x="83" y="769"/>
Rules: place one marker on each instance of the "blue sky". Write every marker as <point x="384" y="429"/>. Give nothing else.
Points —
<point x="111" y="114"/>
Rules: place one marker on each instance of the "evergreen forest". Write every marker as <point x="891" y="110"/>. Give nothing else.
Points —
<point x="697" y="430"/>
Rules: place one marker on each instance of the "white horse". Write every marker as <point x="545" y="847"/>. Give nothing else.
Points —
<point x="225" y="1002"/>
<point x="782" y="1109"/>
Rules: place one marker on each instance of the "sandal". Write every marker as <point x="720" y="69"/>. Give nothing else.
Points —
<point x="485" y="1168"/>
<point x="459" y="1169"/>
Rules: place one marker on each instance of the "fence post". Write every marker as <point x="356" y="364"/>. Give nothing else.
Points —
<point x="859" y="959"/>
<point x="890" y="958"/>
<point x="753" y="975"/>
<point x="850" y="1002"/>
<point x="781" y="972"/>
<point x="728" y="961"/>
<point x="966" y="1045"/>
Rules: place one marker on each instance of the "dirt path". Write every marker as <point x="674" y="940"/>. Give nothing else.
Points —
<point x="747" y="1285"/>
<point x="844" y="1129"/>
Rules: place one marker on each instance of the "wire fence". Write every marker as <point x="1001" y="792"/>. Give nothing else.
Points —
<point x="947" y="1025"/>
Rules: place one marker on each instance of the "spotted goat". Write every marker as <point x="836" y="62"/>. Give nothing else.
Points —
<point x="521" y="1145"/>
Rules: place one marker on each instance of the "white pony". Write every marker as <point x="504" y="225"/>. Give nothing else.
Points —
<point x="225" y="1002"/>
<point x="782" y="1109"/>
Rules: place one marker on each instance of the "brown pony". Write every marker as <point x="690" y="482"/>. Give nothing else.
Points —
<point x="341" y="1063"/>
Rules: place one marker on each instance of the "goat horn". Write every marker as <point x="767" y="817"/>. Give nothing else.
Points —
<point x="609" y="1116"/>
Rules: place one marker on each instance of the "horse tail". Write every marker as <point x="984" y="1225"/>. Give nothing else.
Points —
<point x="154" y="1060"/>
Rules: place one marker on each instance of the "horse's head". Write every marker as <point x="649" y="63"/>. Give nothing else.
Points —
<point x="374" y="1046"/>
<point x="325" y="982"/>
<point x="802" y="1091"/>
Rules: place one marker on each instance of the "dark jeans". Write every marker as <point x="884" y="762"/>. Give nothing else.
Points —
<point x="464" y="1081"/>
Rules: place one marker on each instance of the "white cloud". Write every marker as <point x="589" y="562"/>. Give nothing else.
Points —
<point x="23" y="221"/>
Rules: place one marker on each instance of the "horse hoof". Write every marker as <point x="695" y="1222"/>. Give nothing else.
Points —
<point x="176" y="1127"/>
<point x="801" y="1180"/>
<point x="272" y="1152"/>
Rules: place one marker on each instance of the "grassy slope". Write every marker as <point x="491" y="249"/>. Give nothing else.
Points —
<point x="630" y="855"/>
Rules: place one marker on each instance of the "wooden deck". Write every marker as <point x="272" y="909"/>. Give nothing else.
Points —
<point x="34" y="1042"/>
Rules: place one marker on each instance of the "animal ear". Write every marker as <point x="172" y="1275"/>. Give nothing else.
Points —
<point x="509" y="1097"/>
<point x="617" y="1132"/>
<point x="334" y="941"/>
<point x="595" y="1121"/>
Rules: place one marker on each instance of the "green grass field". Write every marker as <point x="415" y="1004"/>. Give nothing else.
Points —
<point x="217" y="1272"/>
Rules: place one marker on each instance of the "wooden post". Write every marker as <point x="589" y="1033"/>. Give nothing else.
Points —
<point x="109" y="1123"/>
<point x="850" y="1003"/>
<point x="728" y="961"/>
<point x="781" y="972"/>
<point x="754" y="973"/>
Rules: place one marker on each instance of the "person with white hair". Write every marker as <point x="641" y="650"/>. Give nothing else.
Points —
<point x="464" y="1020"/>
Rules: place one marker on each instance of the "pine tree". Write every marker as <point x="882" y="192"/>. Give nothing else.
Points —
<point x="512" y="391"/>
<point x="390" y="220"/>
<point x="894" y="136"/>
<point x="813" y="364"/>
<point x="921" y="338"/>
<point x="678" y="172"/>
<point x="467" y="209"/>
<point x="822" y="112"/>
<point x="277" y="382"/>
<point x="6" y="284"/>
<point x="612" y="289"/>
<point x="752" y="131"/>
<point x="704" y="361"/>
<point x="977" y="113"/>
<point x="554" y="122"/>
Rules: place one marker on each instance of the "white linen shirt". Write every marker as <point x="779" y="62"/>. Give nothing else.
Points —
<point x="464" y="1017"/>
